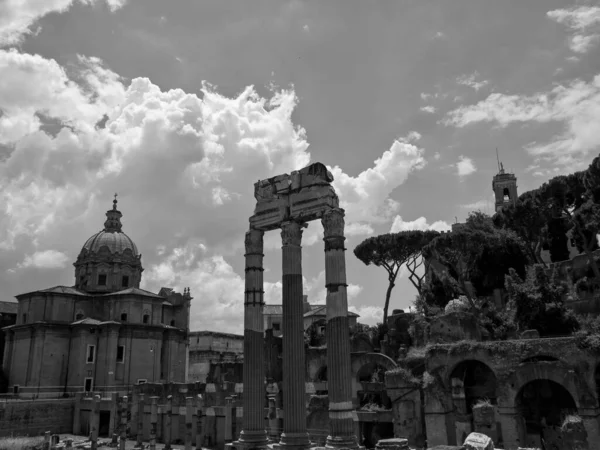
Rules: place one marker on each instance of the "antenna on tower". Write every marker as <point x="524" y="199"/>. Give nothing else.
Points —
<point x="498" y="159"/>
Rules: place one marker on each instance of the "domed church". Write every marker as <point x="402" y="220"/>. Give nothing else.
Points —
<point x="103" y="333"/>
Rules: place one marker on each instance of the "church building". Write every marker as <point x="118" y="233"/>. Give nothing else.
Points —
<point x="103" y="333"/>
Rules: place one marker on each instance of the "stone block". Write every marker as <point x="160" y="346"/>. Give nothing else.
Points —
<point x="478" y="441"/>
<point x="392" y="444"/>
<point x="530" y="334"/>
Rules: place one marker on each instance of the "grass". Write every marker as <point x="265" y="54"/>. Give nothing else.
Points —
<point x="21" y="443"/>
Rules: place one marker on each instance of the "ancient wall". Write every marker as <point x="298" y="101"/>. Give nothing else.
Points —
<point x="23" y="417"/>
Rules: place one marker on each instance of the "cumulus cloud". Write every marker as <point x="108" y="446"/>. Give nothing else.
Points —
<point x="584" y="24"/>
<point x="47" y="259"/>
<point x="18" y="16"/>
<point x="365" y="197"/>
<point x="471" y="81"/>
<point x="184" y="167"/>
<point x="576" y="106"/>
<point x="400" y="224"/>
<point x="428" y="109"/>
<point x="465" y="166"/>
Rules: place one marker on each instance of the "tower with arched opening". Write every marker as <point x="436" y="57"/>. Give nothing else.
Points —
<point x="505" y="188"/>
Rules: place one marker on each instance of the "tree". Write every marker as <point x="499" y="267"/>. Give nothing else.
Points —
<point x="391" y="251"/>
<point x="536" y="303"/>
<point x="528" y="219"/>
<point x="476" y="256"/>
<point x="569" y="197"/>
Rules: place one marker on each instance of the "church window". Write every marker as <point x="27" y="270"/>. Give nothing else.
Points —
<point x="146" y="318"/>
<point x="91" y="353"/>
<point x="172" y="323"/>
<point x="506" y="195"/>
<point x="120" y="353"/>
<point x="123" y="317"/>
<point x="88" y="384"/>
<point x="102" y="279"/>
<point x="125" y="281"/>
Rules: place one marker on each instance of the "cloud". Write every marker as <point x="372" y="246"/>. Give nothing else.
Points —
<point x="478" y="205"/>
<point x="584" y="24"/>
<point x="365" y="197"/>
<point x="470" y="81"/>
<point x="47" y="259"/>
<point x="428" y="109"/>
<point x="418" y="224"/>
<point x="437" y="156"/>
<point x="17" y="17"/>
<point x="576" y="106"/>
<point x="306" y="29"/>
<point x="369" y="315"/>
<point x="465" y="166"/>
<point x="184" y="167"/>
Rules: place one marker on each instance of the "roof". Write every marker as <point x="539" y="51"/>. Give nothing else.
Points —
<point x="115" y="241"/>
<point x="135" y="291"/>
<point x="9" y="307"/>
<point x="321" y="311"/>
<point x="59" y="290"/>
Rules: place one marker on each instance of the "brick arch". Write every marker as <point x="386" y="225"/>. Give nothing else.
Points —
<point x="563" y="376"/>
<point x="371" y="358"/>
<point x="483" y="361"/>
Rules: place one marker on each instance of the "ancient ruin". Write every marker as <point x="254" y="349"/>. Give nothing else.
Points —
<point x="289" y="202"/>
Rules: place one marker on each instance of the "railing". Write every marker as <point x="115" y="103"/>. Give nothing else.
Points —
<point x="29" y="393"/>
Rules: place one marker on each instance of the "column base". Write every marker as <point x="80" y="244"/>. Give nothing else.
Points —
<point x="293" y="441"/>
<point x="341" y="442"/>
<point x="250" y="440"/>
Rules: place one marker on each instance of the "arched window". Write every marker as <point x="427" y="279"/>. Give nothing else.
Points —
<point x="506" y="195"/>
<point x="146" y="317"/>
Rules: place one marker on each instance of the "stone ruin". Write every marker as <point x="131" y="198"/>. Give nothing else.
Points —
<point x="289" y="202"/>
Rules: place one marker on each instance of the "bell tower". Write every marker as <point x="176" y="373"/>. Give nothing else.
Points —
<point x="504" y="186"/>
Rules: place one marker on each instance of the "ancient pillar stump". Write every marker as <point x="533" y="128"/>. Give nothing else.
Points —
<point x="123" y="430"/>
<point x="254" y="434"/>
<point x="188" y="422"/>
<point x="341" y="428"/>
<point x="294" y="411"/>
<point x="95" y="422"/>
<point x="200" y="423"/>
<point x="168" y="422"/>
<point x="153" y="421"/>
<point x="140" y="420"/>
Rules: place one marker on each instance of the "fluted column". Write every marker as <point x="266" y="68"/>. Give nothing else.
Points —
<point x="254" y="434"/>
<point x="341" y="424"/>
<point x="294" y="411"/>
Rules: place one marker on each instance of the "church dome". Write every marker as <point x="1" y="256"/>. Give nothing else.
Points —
<point x="111" y="237"/>
<point x="114" y="241"/>
<point x="109" y="260"/>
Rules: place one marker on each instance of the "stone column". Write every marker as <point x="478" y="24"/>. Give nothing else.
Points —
<point x="188" y="422"/>
<point x="228" y="420"/>
<point x="140" y="420"/>
<point x="124" y="404"/>
<point x="168" y="423"/>
<point x="153" y="421"/>
<point x="200" y="422"/>
<point x="294" y="411"/>
<point x="339" y="383"/>
<point x="254" y="434"/>
<point x="95" y="422"/>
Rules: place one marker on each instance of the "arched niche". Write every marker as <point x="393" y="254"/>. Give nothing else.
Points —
<point x="472" y="381"/>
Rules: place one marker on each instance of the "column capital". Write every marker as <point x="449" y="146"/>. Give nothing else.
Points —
<point x="254" y="242"/>
<point x="333" y="223"/>
<point x="291" y="234"/>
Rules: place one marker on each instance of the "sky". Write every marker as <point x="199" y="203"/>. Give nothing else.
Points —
<point x="180" y="106"/>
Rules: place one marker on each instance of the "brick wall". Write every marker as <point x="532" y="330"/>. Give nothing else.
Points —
<point x="33" y="418"/>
